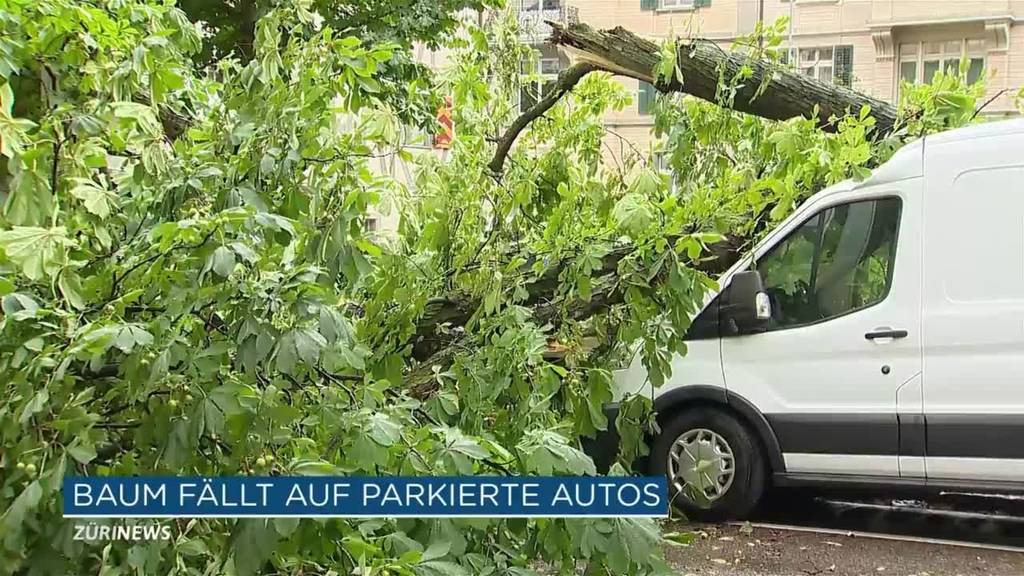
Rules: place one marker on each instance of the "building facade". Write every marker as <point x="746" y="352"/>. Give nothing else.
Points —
<point x="869" y="44"/>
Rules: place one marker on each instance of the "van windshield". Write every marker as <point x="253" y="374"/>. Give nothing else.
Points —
<point x="839" y="261"/>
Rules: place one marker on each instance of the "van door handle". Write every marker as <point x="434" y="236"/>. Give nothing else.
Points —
<point x="894" y="334"/>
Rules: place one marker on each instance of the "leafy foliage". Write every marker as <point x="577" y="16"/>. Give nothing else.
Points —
<point x="188" y="287"/>
<point x="230" y="29"/>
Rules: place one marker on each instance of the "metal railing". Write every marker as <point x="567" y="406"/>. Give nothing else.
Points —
<point x="533" y="25"/>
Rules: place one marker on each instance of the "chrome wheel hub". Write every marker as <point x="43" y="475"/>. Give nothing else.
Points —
<point x="701" y="465"/>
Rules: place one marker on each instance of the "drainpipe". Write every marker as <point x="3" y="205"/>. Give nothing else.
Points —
<point x="791" y="3"/>
<point x="760" y="23"/>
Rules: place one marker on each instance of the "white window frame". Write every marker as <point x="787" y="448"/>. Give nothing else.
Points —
<point x="541" y="78"/>
<point x="808" y="60"/>
<point x="661" y="165"/>
<point x="914" y="52"/>
<point x="794" y="58"/>
<point x="371" y="225"/>
<point x="542" y="5"/>
<point x="675" y="4"/>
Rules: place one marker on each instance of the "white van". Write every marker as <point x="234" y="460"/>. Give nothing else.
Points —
<point x="875" y="338"/>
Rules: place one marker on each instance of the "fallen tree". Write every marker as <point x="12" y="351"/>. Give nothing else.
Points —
<point x="769" y="91"/>
<point x="736" y="80"/>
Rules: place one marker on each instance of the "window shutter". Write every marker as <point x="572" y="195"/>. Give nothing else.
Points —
<point x="646" y="98"/>
<point x="648" y="4"/>
<point x="701" y="3"/>
<point x="844" y="66"/>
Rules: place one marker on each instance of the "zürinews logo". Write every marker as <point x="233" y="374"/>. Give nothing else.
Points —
<point x="355" y="497"/>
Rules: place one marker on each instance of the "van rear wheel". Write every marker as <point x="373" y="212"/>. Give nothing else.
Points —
<point x="714" y="469"/>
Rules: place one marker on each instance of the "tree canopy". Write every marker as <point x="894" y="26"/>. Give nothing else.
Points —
<point x="189" y="286"/>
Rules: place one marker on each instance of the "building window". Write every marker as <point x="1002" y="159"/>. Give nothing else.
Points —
<point x="673" y="4"/>
<point x="833" y="64"/>
<point x="919" y="61"/>
<point x="539" y="5"/>
<point x="817" y="63"/>
<point x="540" y="82"/>
<point x="661" y="164"/>
<point x="645" y="97"/>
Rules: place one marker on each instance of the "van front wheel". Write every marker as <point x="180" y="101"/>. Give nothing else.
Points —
<point x="714" y="469"/>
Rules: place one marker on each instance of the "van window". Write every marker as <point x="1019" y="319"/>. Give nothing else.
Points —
<point x="837" y="262"/>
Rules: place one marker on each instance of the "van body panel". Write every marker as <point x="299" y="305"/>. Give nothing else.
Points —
<point x="912" y="435"/>
<point x="862" y="464"/>
<point x="973" y="304"/>
<point x="701" y="366"/>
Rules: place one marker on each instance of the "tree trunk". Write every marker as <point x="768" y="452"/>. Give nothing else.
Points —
<point x="785" y="94"/>
<point x="456" y="310"/>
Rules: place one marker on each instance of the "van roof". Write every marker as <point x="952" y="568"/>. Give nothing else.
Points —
<point x="983" y="130"/>
<point x="908" y="161"/>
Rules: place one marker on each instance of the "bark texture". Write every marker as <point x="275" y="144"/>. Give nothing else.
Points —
<point x="786" y="94"/>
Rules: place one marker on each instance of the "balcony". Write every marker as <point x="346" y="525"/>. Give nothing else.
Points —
<point x="533" y="27"/>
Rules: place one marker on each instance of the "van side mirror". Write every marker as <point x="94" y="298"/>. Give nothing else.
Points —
<point x="746" y="307"/>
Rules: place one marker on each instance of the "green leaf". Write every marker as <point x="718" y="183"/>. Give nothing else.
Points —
<point x="286" y="526"/>
<point x="308" y="344"/>
<point x="179" y="448"/>
<point x="71" y="287"/>
<point x="334" y="326"/>
<point x="19" y="306"/>
<point x="34" y="406"/>
<point x="129" y="336"/>
<point x="548" y="453"/>
<point x="222" y="261"/>
<point x="383" y="430"/>
<point x="633" y="214"/>
<point x="680" y="538"/>
<point x="252" y="542"/>
<point x="38" y="251"/>
<point x="437" y="549"/>
<point x="440" y="568"/>
<point x="26" y="502"/>
<point x="82" y="450"/>
<point x="96" y="199"/>
<point x="314" y="468"/>
<point x="191" y="548"/>
<point x="6" y="100"/>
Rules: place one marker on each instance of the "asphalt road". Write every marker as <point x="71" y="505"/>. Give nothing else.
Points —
<point x="727" y="550"/>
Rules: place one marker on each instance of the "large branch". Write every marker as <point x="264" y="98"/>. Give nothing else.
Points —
<point x="566" y="81"/>
<point x="771" y="92"/>
<point x="454" y="311"/>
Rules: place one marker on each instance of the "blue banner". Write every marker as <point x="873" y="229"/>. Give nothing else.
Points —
<point x="364" y="496"/>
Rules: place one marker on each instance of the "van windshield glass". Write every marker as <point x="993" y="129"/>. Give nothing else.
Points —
<point x="837" y="262"/>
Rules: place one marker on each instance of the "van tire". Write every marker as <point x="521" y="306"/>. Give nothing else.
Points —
<point x="748" y="480"/>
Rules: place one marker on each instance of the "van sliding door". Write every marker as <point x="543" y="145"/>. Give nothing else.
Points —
<point x="974" y="310"/>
